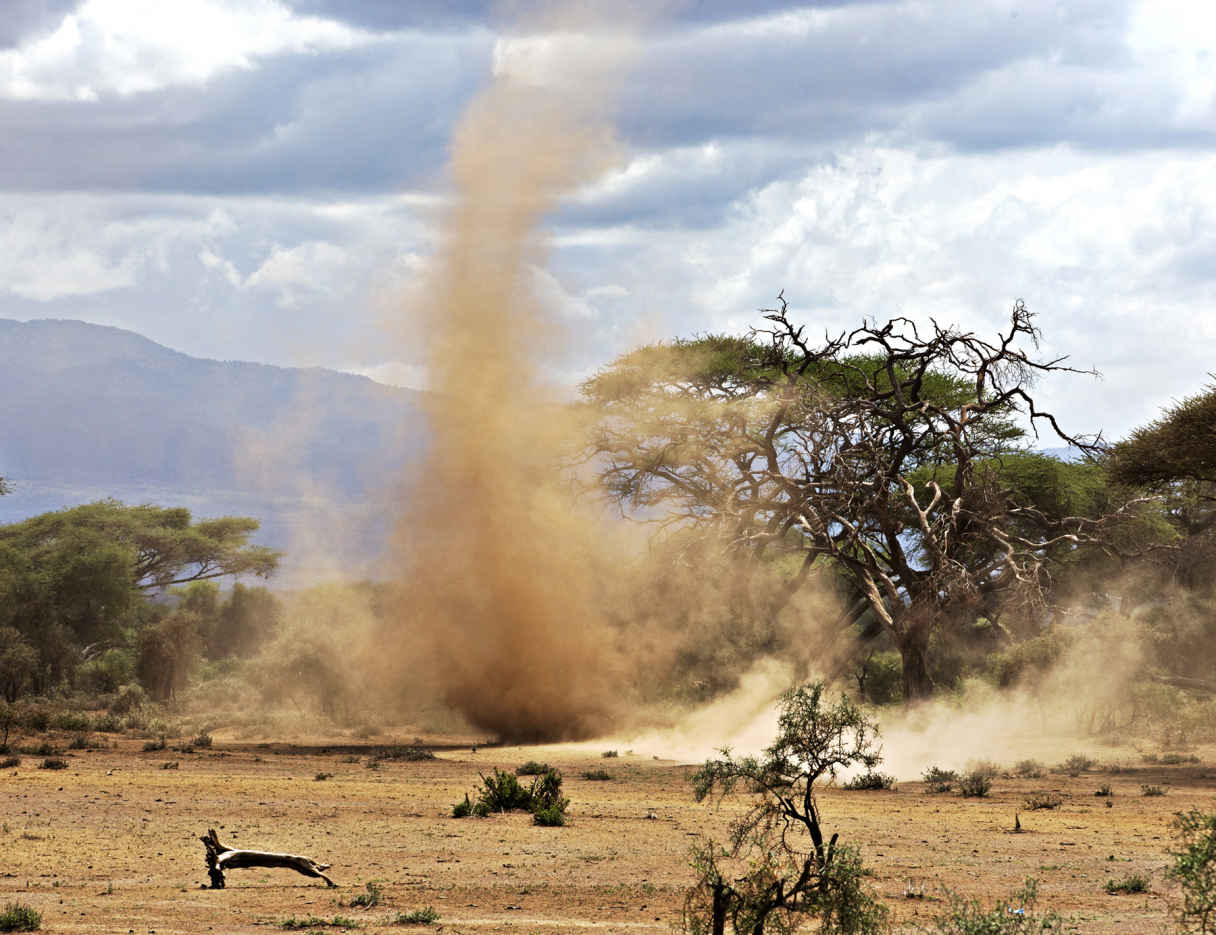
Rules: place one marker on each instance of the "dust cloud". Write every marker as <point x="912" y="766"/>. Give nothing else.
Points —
<point x="502" y="563"/>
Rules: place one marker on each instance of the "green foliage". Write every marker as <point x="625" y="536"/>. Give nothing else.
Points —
<point x="1078" y="763"/>
<point x="1180" y="445"/>
<point x="597" y="775"/>
<point x="316" y="922"/>
<point x="74" y="584"/>
<point x="939" y="780"/>
<point x="1194" y="869"/>
<point x="870" y="781"/>
<point x="778" y="869"/>
<point x="532" y="768"/>
<point x="502" y="792"/>
<point x="1014" y="915"/>
<point x="975" y="784"/>
<point x="880" y="680"/>
<point x="369" y="899"/>
<point x="18" y="917"/>
<point x="424" y="916"/>
<point x="1134" y="883"/>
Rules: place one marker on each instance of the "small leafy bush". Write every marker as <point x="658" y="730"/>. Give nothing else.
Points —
<point x="609" y="754"/>
<point x="79" y="742"/>
<point x="18" y="917"/>
<point x="1152" y="791"/>
<point x="549" y="816"/>
<point x="53" y="762"/>
<point x="9" y="762"/>
<point x="1104" y="791"/>
<point x="597" y="775"/>
<point x="1028" y="769"/>
<point x="1077" y="763"/>
<point x="1194" y="868"/>
<point x="321" y="777"/>
<point x="72" y="721"/>
<point x="408" y="752"/>
<point x="501" y="792"/>
<point x="1128" y="885"/>
<point x="43" y="749"/>
<point x="1014" y="915"/>
<point x="203" y="740"/>
<point x="869" y="780"/>
<point x="975" y="784"/>
<point x="368" y="900"/>
<point x="150" y="746"/>
<point x="108" y="724"/>
<point x="424" y="916"/>
<point x="1040" y="800"/>
<point x="547" y="804"/>
<point x="316" y="922"/>
<point x="937" y="779"/>
<point x="532" y="768"/>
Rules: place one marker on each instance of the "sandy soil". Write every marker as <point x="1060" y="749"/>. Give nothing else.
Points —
<point x="110" y="844"/>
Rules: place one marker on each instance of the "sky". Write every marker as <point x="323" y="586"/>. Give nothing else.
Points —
<point x="261" y="179"/>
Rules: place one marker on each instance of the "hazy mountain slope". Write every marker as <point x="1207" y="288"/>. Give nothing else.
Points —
<point x="89" y="411"/>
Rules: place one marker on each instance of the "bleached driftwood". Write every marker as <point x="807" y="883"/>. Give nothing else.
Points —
<point x="221" y="858"/>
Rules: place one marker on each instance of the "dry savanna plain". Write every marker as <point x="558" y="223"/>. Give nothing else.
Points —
<point x="111" y="842"/>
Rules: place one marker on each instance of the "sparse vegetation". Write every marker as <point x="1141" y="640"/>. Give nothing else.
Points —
<point x="1028" y="769"/>
<point x="19" y="917"/>
<point x="869" y="781"/>
<point x="1135" y="883"/>
<point x="1077" y="763"/>
<point x="369" y="899"/>
<point x="1043" y="800"/>
<point x="609" y="754"/>
<point x="53" y="762"/>
<point x="10" y="762"/>
<point x="151" y="746"/>
<point x="975" y="784"/>
<point x="202" y="741"/>
<point x="777" y="868"/>
<point x="1152" y="790"/>
<point x="502" y="792"/>
<point x="597" y="775"/>
<point x="1194" y="869"/>
<point x="424" y="916"/>
<point x="532" y="768"/>
<point x="1104" y="791"/>
<point x="322" y="776"/>
<point x="938" y="780"/>
<point x="1015" y="915"/>
<point x="316" y="922"/>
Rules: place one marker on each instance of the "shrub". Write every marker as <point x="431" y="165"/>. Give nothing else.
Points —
<point x="71" y="721"/>
<point x="46" y="748"/>
<point x="1028" y="769"/>
<point x="9" y="762"/>
<point x="1152" y="791"/>
<point x="549" y="816"/>
<point x="1015" y="915"/>
<point x="18" y="917"/>
<point x="1177" y="759"/>
<point x="53" y="762"/>
<point x="1038" y="800"/>
<point x="938" y="779"/>
<point x="321" y="777"/>
<point x="1104" y="791"/>
<point x="424" y="916"/>
<point x="151" y="746"/>
<point x="130" y="697"/>
<point x="79" y="742"/>
<point x="1077" y="763"/>
<point x="777" y="869"/>
<point x="368" y="900"/>
<point x="532" y="768"/>
<point x="501" y="792"/>
<point x="1194" y="868"/>
<point x="409" y="752"/>
<point x="202" y="740"/>
<point x="1128" y="885"/>
<point x="108" y="724"/>
<point x="546" y="802"/>
<point x="597" y="775"/>
<point x="316" y="922"/>
<point x="609" y="754"/>
<point x="463" y="809"/>
<point x="869" y="780"/>
<point x="975" y="784"/>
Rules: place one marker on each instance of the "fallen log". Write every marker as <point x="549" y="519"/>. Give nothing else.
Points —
<point x="221" y="858"/>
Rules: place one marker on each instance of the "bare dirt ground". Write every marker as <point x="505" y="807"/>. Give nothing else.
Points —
<point x="110" y="844"/>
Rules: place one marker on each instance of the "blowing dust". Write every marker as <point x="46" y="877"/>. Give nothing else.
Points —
<point x="501" y="561"/>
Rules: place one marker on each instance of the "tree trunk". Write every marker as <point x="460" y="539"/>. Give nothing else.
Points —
<point x="913" y="652"/>
<point x="221" y="858"/>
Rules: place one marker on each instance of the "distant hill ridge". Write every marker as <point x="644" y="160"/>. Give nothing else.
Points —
<point x="88" y="409"/>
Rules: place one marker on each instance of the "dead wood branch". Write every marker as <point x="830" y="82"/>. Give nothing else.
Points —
<point x="221" y="858"/>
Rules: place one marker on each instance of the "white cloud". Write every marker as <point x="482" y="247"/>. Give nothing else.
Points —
<point x="129" y="46"/>
<point x="293" y="273"/>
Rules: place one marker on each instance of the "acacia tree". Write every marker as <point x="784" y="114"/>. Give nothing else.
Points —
<point x="789" y="870"/>
<point x="880" y="453"/>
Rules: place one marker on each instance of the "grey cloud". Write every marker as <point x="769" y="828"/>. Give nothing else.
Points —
<point x="24" y="18"/>
<point x="366" y="119"/>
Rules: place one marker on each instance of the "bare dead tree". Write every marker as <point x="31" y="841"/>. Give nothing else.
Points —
<point x="221" y="858"/>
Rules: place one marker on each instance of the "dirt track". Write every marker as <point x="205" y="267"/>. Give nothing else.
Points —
<point x="111" y="843"/>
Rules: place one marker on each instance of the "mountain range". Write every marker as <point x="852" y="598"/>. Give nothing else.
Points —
<point x="89" y="412"/>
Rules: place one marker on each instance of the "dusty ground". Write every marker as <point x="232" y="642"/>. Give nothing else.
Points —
<point x="110" y="844"/>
